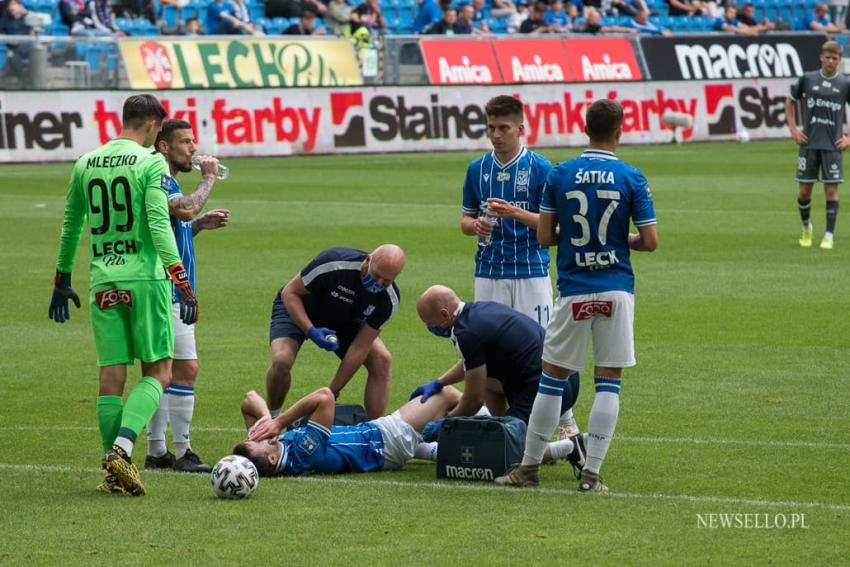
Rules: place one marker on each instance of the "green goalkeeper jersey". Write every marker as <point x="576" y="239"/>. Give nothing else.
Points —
<point x="120" y="191"/>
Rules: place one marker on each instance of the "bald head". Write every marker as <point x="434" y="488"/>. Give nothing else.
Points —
<point x="382" y="267"/>
<point x="437" y="305"/>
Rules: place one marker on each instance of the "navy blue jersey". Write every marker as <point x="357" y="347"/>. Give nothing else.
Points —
<point x="507" y="341"/>
<point x="342" y="449"/>
<point x="337" y="297"/>
<point x="594" y="197"/>
<point x="514" y="252"/>
<point x="185" y="244"/>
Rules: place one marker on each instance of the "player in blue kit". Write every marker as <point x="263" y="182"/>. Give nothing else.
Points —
<point x="320" y="447"/>
<point x="340" y="301"/>
<point x="176" y="142"/>
<point x="507" y="183"/>
<point x="593" y="199"/>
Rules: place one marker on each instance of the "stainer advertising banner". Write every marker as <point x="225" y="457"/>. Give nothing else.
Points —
<point x="237" y="63"/>
<point x="265" y="122"/>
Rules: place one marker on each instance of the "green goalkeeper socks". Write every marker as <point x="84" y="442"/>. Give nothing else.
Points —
<point x="109" y="409"/>
<point x="140" y="407"/>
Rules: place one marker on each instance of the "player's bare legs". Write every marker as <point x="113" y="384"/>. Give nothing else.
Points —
<point x="494" y="398"/>
<point x="418" y="414"/>
<point x="378" y="365"/>
<point x="279" y="374"/>
<point x="804" y="203"/>
<point x="831" y="192"/>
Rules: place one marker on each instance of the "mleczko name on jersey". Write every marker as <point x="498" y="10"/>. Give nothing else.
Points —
<point x="596" y="260"/>
<point x="594" y="176"/>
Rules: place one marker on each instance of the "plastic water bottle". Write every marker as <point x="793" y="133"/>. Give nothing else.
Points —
<point x="221" y="173"/>
<point x="484" y="241"/>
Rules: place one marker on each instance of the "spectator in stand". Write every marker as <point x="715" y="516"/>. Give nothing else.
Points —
<point x="502" y="9"/>
<point x="219" y="17"/>
<point x="480" y="15"/>
<point x="306" y="25"/>
<point x="747" y="16"/>
<point x="193" y="28"/>
<point x="338" y="16"/>
<point x="687" y="8"/>
<point x="445" y="26"/>
<point x="13" y="19"/>
<point x="642" y="24"/>
<point x="516" y="19"/>
<point x="838" y="11"/>
<point x="293" y="8"/>
<point x="144" y="9"/>
<point x="369" y="14"/>
<point x="429" y="13"/>
<point x="465" y="23"/>
<point x="557" y="17"/>
<point x="75" y="14"/>
<point x="536" y="22"/>
<point x="611" y="7"/>
<point x="819" y="20"/>
<point x="730" y="23"/>
<point x="593" y="25"/>
<point x="242" y="16"/>
<point x="103" y="18"/>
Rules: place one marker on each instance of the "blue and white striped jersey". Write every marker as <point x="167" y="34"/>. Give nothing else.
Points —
<point x="594" y="197"/>
<point x="185" y="244"/>
<point x="514" y="252"/>
<point x="342" y="449"/>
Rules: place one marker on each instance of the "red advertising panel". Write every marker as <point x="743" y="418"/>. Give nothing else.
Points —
<point x="532" y="60"/>
<point x="460" y="62"/>
<point x="602" y="59"/>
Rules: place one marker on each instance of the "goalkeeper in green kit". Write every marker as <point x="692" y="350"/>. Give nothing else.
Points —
<point x="120" y="191"/>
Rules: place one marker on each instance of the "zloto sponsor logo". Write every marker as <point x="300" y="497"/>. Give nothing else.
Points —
<point x="469" y="473"/>
<point x="736" y="61"/>
<point x="464" y="73"/>
<point x="586" y="309"/>
<point x="112" y="297"/>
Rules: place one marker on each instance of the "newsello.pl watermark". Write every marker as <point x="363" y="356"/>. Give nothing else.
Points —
<point x="752" y="521"/>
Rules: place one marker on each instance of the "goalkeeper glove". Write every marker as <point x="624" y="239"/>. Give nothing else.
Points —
<point x="62" y="291"/>
<point x="427" y="390"/>
<point x="189" y="311"/>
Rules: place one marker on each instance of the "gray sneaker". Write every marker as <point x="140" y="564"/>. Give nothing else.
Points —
<point x="591" y="482"/>
<point x="520" y="476"/>
<point x="190" y="462"/>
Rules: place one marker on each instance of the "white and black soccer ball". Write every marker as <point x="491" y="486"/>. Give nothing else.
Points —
<point x="742" y="136"/>
<point x="234" y="477"/>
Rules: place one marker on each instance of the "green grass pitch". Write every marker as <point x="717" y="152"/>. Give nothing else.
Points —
<point x="738" y="404"/>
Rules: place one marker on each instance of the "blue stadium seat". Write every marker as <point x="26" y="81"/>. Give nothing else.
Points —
<point x="498" y="25"/>
<point x="169" y="15"/>
<point x="56" y="28"/>
<point x="679" y="23"/>
<point x="4" y="54"/>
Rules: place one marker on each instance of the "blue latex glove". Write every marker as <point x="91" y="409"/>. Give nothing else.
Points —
<point x="62" y="291"/>
<point x="325" y="338"/>
<point x="432" y="430"/>
<point x="427" y="390"/>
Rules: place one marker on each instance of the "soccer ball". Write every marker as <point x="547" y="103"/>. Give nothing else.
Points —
<point x="743" y="136"/>
<point x="234" y="477"/>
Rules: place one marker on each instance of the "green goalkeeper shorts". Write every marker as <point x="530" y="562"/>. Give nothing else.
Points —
<point x="132" y="320"/>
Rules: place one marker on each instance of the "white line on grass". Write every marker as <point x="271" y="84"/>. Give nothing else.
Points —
<point x="626" y="438"/>
<point x="460" y="486"/>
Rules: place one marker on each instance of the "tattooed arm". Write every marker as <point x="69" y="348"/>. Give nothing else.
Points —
<point x="188" y="207"/>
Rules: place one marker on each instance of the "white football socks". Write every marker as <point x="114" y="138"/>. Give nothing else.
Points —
<point x="426" y="451"/>
<point x="602" y="421"/>
<point x="561" y="449"/>
<point x="544" y="418"/>
<point x="181" y="406"/>
<point x="568" y="419"/>
<point x="156" y="427"/>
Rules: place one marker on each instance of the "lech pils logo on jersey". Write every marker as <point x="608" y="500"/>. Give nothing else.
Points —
<point x="503" y="176"/>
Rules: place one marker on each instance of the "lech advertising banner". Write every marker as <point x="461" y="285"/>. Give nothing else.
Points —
<point x="238" y="63"/>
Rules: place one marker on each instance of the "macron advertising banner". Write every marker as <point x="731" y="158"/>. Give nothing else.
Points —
<point x="486" y="61"/>
<point x="715" y="57"/>
<point x="236" y="63"/>
<point x="281" y="122"/>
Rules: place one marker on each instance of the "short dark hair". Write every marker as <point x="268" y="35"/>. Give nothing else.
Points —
<point x="141" y="108"/>
<point x="503" y="105"/>
<point x="263" y="466"/>
<point x="168" y="128"/>
<point x="604" y="117"/>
